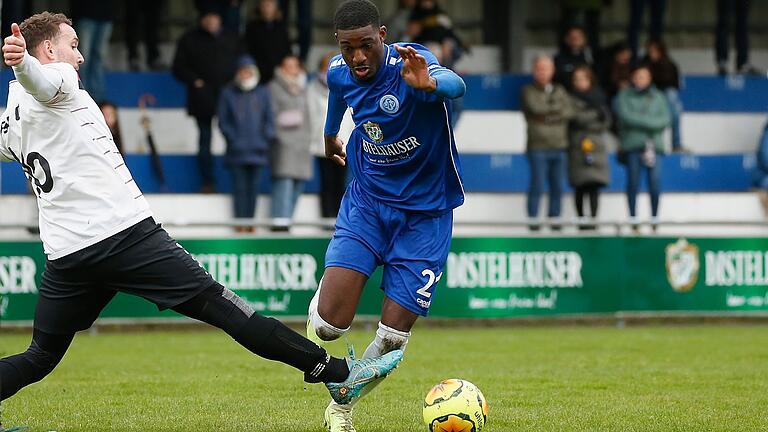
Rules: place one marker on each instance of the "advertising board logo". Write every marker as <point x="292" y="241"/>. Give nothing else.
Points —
<point x="682" y="262"/>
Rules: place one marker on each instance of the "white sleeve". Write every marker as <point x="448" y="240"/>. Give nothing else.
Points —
<point x="5" y="155"/>
<point x="48" y="84"/>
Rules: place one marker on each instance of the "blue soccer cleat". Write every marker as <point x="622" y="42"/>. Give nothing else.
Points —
<point x="363" y="372"/>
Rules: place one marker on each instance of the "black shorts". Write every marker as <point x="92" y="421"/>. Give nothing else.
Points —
<point x="142" y="260"/>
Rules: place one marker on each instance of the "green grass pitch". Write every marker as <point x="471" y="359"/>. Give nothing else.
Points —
<point x="698" y="378"/>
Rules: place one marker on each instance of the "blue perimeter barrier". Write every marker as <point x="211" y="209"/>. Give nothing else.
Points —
<point x="503" y="173"/>
<point x="484" y="92"/>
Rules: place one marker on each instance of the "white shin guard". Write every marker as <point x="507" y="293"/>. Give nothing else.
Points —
<point x="326" y="332"/>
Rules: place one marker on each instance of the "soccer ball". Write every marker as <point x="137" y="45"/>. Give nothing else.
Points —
<point x="455" y="405"/>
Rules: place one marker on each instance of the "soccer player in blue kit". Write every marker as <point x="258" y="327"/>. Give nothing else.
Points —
<point x="398" y="210"/>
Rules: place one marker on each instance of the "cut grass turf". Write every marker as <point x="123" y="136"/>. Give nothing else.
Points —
<point x="701" y="378"/>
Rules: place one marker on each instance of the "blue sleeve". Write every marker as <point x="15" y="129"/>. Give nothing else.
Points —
<point x="225" y="123"/>
<point x="762" y="151"/>
<point x="449" y="84"/>
<point x="336" y="108"/>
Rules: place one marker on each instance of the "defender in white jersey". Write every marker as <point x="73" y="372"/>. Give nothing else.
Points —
<point x="98" y="230"/>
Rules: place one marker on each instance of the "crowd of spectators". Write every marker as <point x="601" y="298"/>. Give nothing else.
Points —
<point x="241" y="67"/>
<point x="272" y="113"/>
<point x="573" y="113"/>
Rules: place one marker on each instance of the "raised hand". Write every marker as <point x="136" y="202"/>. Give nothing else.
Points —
<point x="414" y="71"/>
<point x="14" y="47"/>
<point x="334" y="150"/>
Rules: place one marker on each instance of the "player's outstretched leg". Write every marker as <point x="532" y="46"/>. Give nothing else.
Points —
<point x="271" y="339"/>
<point x="34" y="364"/>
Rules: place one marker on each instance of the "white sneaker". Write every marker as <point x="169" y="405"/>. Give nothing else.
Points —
<point x="338" y="418"/>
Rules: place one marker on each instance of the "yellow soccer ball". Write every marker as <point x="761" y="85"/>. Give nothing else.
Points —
<point x="455" y="405"/>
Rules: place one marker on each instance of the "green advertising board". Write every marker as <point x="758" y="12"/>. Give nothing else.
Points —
<point x="484" y="277"/>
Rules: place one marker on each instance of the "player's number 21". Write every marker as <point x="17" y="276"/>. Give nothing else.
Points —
<point x="432" y="280"/>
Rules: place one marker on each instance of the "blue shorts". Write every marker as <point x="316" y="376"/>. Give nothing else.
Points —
<point x="412" y="247"/>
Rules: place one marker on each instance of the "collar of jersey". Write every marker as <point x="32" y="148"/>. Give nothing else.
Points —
<point x="379" y="73"/>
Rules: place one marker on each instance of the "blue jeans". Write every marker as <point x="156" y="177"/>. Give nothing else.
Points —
<point x="245" y="189"/>
<point x="285" y="193"/>
<point x="675" y="110"/>
<point x="94" y="36"/>
<point x="761" y="179"/>
<point x="635" y="167"/>
<point x="549" y="165"/>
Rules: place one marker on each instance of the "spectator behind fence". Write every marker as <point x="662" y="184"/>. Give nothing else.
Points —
<point x="93" y="22"/>
<point x="142" y="22"/>
<point x="547" y="109"/>
<point x="266" y="38"/>
<point x="291" y="160"/>
<point x="616" y="75"/>
<point x="666" y="78"/>
<point x="332" y="176"/>
<point x="588" y="169"/>
<point x="642" y="115"/>
<point x="248" y="125"/>
<point x="761" y="170"/>
<point x="726" y="11"/>
<point x="205" y="62"/>
<point x="636" y="15"/>
<point x="229" y="10"/>
<point x="430" y="23"/>
<point x="109" y="110"/>
<point x="574" y="52"/>
<point x="303" y="24"/>
<point x="397" y="23"/>
<point x="584" y="14"/>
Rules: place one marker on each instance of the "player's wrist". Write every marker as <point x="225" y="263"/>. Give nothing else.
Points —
<point x="431" y="85"/>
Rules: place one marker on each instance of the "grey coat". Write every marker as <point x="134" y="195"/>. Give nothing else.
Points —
<point x="587" y="145"/>
<point x="547" y="112"/>
<point x="291" y="156"/>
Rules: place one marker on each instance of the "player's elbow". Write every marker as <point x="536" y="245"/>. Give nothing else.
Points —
<point x="461" y="87"/>
<point x="450" y="85"/>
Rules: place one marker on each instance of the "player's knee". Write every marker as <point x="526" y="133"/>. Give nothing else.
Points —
<point x="390" y="339"/>
<point x="43" y="362"/>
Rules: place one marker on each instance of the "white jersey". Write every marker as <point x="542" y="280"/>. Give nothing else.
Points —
<point x="85" y="193"/>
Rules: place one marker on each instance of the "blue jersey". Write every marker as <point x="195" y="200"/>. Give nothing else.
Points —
<point x="402" y="151"/>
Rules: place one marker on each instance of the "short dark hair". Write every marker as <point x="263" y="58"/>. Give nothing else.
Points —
<point x="41" y="27"/>
<point x="354" y="14"/>
<point x="641" y="65"/>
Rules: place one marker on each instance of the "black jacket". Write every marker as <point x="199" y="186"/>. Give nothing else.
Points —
<point x="269" y="44"/>
<point x="565" y="63"/>
<point x="99" y="10"/>
<point x="201" y="55"/>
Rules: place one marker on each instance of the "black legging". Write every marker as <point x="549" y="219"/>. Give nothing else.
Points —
<point x="593" y="191"/>
<point x="264" y="336"/>
<point x="43" y="354"/>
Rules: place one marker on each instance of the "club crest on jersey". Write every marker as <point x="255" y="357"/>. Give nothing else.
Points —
<point x="374" y="131"/>
<point x="389" y="104"/>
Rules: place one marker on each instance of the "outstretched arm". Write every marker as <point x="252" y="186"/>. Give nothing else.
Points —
<point x="433" y="78"/>
<point x="334" y="147"/>
<point x="44" y="84"/>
